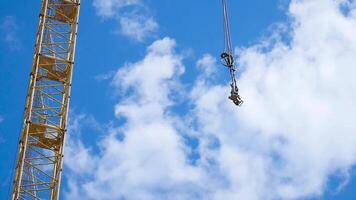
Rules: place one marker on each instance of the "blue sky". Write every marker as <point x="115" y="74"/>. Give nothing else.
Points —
<point x="106" y="60"/>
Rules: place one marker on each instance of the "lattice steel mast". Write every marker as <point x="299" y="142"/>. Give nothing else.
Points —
<point x="40" y="155"/>
<point x="228" y="59"/>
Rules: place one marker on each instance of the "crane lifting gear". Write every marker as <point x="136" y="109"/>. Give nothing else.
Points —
<point x="228" y="59"/>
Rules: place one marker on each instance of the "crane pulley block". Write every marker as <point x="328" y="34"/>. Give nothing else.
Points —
<point x="228" y="59"/>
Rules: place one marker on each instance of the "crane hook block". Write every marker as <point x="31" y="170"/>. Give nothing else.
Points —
<point x="235" y="97"/>
<point x="228" y="59"/>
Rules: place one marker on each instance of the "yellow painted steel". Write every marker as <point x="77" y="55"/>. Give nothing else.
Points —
<point x="40" y="155"/>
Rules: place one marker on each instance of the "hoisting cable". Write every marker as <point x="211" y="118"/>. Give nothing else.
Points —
<point x="228" y="59"/>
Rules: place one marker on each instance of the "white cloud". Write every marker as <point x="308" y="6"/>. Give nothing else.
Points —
<point x="207" y="64"/>
<point x="9" y="29"/>
<point x="138" y="27"/>
<point x="109" y="8"/>
<point x="133" y="16"/>
<point x="297" y="124"/>
<point x="295" y="129"/>
<point x="78" y="158"/>
<point x="152" y="152"/>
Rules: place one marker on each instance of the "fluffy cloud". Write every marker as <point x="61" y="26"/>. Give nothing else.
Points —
<point x="295" y="129"/>
<point x="151" y="155"/>
<point x="80" y="159"/>
<point x="109" y="8"/>
<point x="133" y="17"/>
<point x="138" y="27"/>
<point x="9" y="29"/>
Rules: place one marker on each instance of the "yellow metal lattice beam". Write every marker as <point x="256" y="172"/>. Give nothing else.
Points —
<point x="40" y="155"/>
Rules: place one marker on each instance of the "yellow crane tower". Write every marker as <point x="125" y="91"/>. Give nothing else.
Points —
<point x="40" y="154"/>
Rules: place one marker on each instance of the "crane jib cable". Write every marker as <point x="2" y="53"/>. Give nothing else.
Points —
<point x="228" y="58"/>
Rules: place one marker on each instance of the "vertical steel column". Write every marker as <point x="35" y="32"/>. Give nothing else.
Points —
<point x="40" y="155"/>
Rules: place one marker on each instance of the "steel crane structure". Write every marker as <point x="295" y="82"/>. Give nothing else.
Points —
<point x="40" y="154"/>
<point x="228" y="58"/>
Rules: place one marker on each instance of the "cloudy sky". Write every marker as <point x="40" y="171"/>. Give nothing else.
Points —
<point x="150" y="118"/>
